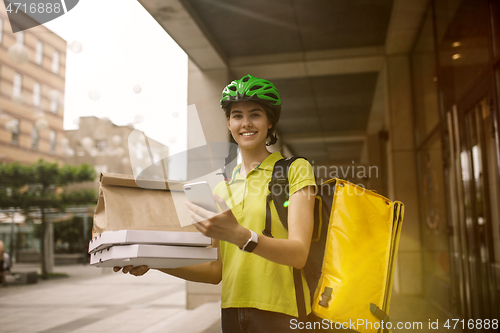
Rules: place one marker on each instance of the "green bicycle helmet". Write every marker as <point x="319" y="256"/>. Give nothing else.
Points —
<point x="251" y="88"/>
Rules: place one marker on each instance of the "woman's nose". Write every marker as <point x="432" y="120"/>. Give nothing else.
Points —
<point x="246" y="122"/>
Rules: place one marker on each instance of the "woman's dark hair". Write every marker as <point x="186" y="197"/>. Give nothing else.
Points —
<point x="271" y="135"/>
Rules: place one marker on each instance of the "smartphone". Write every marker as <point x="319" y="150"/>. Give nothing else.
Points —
<point x="200" y="194"/>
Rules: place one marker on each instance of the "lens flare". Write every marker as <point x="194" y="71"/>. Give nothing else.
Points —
<point x="76" y="46"/>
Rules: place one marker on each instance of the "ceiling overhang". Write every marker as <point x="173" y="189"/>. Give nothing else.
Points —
<point x="200" y="27"/>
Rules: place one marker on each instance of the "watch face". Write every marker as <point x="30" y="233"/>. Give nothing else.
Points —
<point x="250" y="246"/>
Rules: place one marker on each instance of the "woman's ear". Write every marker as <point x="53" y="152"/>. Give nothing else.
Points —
<point x="269" y="126"/>
<point x="228" y="127"/>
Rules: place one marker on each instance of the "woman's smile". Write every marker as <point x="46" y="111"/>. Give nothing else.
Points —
<point x="248" y="134"/>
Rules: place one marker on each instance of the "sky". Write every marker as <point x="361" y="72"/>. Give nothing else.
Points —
<point x="122" y="65"/>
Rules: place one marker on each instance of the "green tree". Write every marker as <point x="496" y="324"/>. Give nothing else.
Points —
<point x="69" y="233"/>
<point x="38" y="186"/>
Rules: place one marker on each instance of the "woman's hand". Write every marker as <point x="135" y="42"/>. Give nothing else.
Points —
<point x="137" y="271"/>
<point x="221" y="226"/>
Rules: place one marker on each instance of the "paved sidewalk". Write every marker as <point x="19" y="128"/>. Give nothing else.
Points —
<point x="99" y="300"/>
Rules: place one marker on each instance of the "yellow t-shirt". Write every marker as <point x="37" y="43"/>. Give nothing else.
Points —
<point x="249" y="280"/>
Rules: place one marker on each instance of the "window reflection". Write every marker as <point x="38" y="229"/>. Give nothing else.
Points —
<point x="425" y="80"/>
<point x="463" y="43"/>
<point x="433" y="216"/>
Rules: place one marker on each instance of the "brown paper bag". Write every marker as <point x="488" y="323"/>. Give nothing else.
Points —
<point x="122" y="205"/>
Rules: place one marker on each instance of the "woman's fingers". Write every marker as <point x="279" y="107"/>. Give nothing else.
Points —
<point x="195" y="208"/>
<point x="192" y="208"/>
<point x="220" y="226"/>
<point x="195" y="217"/>
<point x="222" y="204"/>
<point x="127" y="269"/>
<point x="201" y="228"/>
<point x="137" y="271"/>
<point x="198" y="213"/>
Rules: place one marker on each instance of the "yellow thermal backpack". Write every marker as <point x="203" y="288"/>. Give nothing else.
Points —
<point x="351" y="261"/>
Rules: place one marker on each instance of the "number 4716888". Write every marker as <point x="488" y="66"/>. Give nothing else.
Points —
<point x="34" y="8"/>
<point x="471" y="324"/>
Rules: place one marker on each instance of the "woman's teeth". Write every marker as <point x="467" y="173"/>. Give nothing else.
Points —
<point x="248" y="134"/>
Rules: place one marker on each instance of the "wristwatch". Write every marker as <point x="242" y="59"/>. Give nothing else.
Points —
<point x="251" y="243"/>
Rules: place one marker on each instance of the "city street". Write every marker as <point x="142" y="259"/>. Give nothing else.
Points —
<point x="98" y="300"/>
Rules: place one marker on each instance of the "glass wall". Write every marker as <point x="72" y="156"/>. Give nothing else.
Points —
<point x="437" y="281"/>
<point x="434" y="228"/>
<point x="458" y="152"/>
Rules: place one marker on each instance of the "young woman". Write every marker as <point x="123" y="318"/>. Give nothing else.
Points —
<point x="258" y="293"/>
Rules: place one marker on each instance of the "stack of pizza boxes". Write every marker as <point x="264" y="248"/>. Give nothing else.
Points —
<point x="156" y="249"/>
<point x="140" y="225"/>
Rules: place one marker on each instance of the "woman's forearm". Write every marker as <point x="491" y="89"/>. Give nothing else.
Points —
<point x="282" y="251"/>
<point x="209" y="272"/>
<point x="206" y="273"/>
<point x="294" y="250"/>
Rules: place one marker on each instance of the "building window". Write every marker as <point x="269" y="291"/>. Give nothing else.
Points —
<point x="53" y="106"/>
<point x="39" y="53"/>
<point x="18" y="85"/>
<point x="52" y="138"/>
<point x="79" y="150"/>
<point x="15" y="132"/>
<point x="20" y="37"/>
<point x="34" y="138"/>
<point x="37" y="94"/>
<point x="55" y="62"/>
<point x="101" y="146"/>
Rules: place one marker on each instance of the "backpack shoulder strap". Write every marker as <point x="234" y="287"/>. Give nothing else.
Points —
<point x="279" y="193"/>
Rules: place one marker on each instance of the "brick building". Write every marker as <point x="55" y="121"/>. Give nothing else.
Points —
<point x="32" y="78"/>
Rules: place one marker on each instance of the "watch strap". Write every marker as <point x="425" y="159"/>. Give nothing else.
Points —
<point x="251" y="243"/>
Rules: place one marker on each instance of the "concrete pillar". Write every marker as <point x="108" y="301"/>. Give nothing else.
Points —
<point x="205" y="92"/>
<point x="402" y="172"/>
<point x="376" y="164"/>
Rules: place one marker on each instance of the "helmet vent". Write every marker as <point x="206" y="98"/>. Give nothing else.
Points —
<point x="245" y="79"/>
<point x="255" y="88"/>
<point x="267" y="88"/>
<point x="233" y="88"/>
<point x="271" y="95"/>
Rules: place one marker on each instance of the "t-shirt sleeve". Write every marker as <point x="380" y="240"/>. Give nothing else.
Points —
<point x="300" y="175"/>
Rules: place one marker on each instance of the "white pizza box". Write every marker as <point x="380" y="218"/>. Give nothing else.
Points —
<point x="123" y="237"/>
<point x="153" y="256"/>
